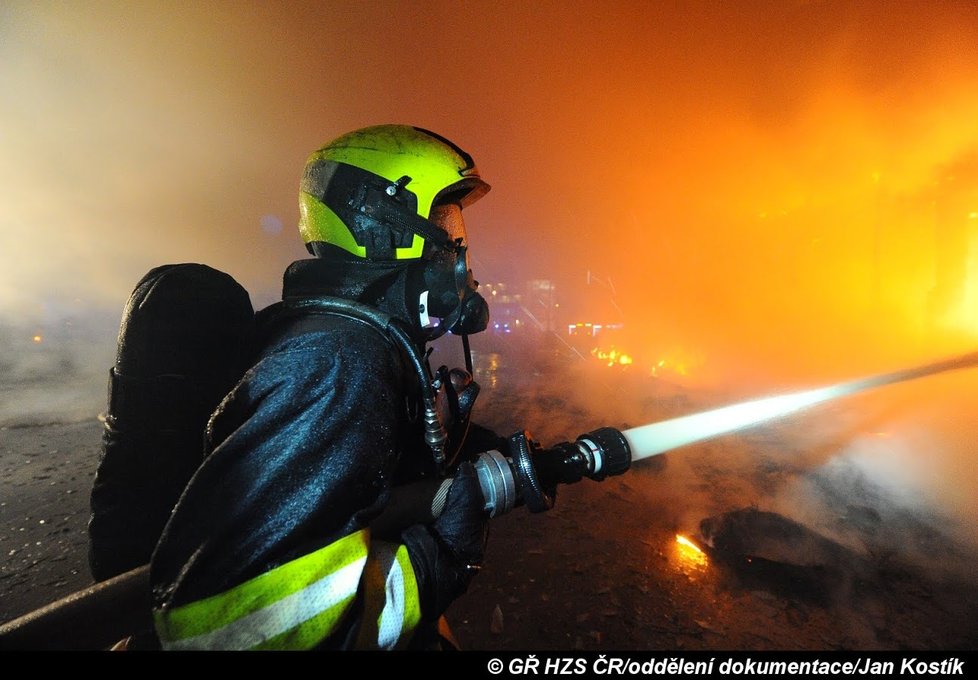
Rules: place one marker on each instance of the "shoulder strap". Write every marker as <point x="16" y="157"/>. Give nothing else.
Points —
<point x="396" y="332"/>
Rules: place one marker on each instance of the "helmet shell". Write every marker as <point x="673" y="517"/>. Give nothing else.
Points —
<point x="437" y="168"/>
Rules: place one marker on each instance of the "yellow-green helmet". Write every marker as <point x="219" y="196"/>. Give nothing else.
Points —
<point x="370" y="192"/>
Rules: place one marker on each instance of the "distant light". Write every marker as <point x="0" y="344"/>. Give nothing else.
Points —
<point x="37" y="339"/>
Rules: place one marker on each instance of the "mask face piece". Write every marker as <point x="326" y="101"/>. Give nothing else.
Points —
<point x="440" y="274"/>
<point x="453" y="295"/>
<point x="474" y="315"/>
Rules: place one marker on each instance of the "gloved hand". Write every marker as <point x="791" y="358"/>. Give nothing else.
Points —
<point x="447" y="553"/>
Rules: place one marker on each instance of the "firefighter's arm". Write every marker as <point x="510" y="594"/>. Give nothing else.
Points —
<point x="353" y="592"/>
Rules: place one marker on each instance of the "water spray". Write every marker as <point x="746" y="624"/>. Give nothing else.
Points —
<point x="530" y="475"/>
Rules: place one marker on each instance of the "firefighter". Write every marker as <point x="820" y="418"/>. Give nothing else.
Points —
<point x="271" y="545"/>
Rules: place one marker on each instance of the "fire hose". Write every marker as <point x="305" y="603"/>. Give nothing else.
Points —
<point x="529" y="475"/>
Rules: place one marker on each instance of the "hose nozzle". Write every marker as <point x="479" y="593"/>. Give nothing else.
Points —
<point x="530" y="475"/>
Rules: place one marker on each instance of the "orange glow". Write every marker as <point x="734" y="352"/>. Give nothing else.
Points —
<point x="37" y="339"/>
<point x="772" y="215"/>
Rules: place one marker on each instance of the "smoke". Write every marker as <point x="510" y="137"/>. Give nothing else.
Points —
<point x="54" y="365"/>
<point x="125" y="146"/>
<point x="751" y="179"/>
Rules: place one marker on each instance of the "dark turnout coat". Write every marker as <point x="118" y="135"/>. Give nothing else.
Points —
<point x="270" y="543"/>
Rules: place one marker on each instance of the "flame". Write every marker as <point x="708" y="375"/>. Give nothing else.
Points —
<point x="613" y="357"/>
<point x="690" y="554"/>
<point x="670" y="365"/>
<point x="682" y="540"/>
<point x="663" y="366"/>
<point x="673" y="363"/>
